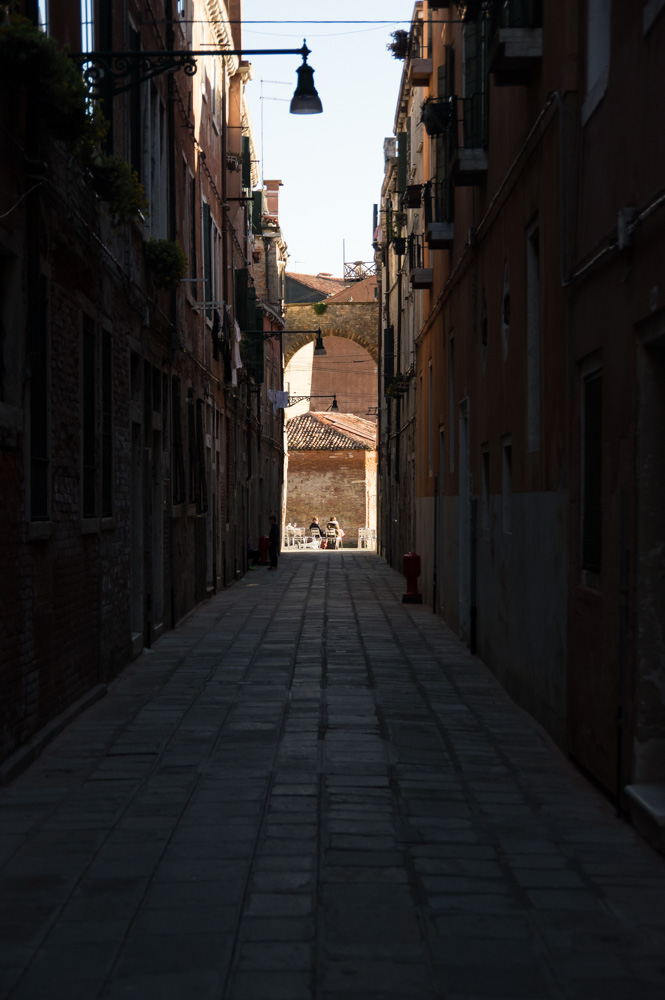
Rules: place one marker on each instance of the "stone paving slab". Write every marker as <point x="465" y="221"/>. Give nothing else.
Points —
<point x="311" y="790"/>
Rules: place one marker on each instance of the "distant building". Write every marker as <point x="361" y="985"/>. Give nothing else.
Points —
<point x="311" y="287"/>
<point x="332" y="471"/>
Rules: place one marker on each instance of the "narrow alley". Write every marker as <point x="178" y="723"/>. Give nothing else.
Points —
<point x="309" y="791"/>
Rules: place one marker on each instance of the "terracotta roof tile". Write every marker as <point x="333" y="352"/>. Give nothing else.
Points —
<point x="330" y="432"/>
<point x="320" y="283"/>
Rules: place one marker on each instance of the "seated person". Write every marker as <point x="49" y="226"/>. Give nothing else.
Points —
<point x="315" y="527"/>
<point x="333" y="525"/>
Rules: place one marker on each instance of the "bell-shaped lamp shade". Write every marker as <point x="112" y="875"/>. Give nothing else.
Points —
<point x="305" y="100"/>
<point x="334" y="408"/>
<point x="319" y="349"/>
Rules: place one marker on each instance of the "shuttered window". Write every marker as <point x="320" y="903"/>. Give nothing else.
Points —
<point x="389" y="351"/>
<point x="246" y="163"/>
<point x="207" y="261"/>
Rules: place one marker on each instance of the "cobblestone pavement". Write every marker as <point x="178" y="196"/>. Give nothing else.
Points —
<point x="311" y="791"/>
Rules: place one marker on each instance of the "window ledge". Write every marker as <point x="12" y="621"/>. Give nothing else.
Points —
<point x="108" y="524"/>
<point x="89" y="525"/>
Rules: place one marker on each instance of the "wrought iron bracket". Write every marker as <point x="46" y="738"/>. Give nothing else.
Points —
<point x="110" y="73"/>
<point x="300" y="399"/>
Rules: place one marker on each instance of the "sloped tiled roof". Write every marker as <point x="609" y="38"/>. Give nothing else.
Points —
<point x="357" y="291"/>
<point x="320" y="283"/>
<point x="330" y="432"/>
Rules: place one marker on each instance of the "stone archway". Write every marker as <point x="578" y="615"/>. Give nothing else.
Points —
<point x="357" y="321"/>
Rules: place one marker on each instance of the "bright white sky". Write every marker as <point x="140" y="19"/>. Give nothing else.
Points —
<point x="331" y="164"/>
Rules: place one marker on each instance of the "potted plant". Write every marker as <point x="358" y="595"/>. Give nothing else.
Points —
<point x="399" y="45"/>
<point x="55" y="90"/>
<point x="436" y="115"/>
<point x="116" y="182"/>
<point x="319" y="308"/>
<point x="167" y="262"/>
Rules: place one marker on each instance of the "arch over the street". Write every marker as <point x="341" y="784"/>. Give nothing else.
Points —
<point x="357" y="321"/>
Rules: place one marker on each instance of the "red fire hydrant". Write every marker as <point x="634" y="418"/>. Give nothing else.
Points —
<point x="264" y="541"/>
<point x="411" y="570"/>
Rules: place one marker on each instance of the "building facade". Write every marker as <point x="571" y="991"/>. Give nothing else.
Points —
<point x="139" y="452"/>
<point x="521" y="361"/>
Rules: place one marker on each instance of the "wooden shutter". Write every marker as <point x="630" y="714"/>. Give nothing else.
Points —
<point x="401" y="161"/>
<point x="246" y="163"/>
<point x="389" y="351"/>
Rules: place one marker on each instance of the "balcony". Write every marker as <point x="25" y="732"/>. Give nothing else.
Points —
<point x="419" y="275"/>
<point x="516" y="41"/>
<point x="420" y="66"/>
<point x="439" y="228"/>
<point x="468" y="131"/>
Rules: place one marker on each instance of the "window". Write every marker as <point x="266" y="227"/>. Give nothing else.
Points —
<point x="42" y="17"/>
<point x="153" y="157"/>
<point x="39" y="423"/>
<point x="507" y="484"/>
<point x="389" y="352"/>
<point x="207" y="261"/>
<point x="505" y="310"/>
<point x="192" y="456"/>
<point x="592" y="399"/>
<point x="430" y="430"/>
<point x="178" y="451"/>
<point x="107" y="425"/>
<point x="87" y="25"/>
<point x="485" y="498"/>
<point x="483" y="322"/>
<point x="88" y="420"/>
<point x="474" y="107"/>
<point x="599" y="21"/>
<point x="533" y="339"/>
<point x="192" y="230"/>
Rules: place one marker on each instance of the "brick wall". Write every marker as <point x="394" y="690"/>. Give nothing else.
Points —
<point x="326" y="483"/>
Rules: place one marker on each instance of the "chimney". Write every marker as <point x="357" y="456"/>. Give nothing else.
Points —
<point x="272" y="197"/>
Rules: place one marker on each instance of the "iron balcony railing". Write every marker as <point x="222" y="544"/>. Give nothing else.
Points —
<point x="517" y="14"/>
<point x="462" y="119"/>
<point x="438" y="202"/>
<point x="359" y="270"/>
<point x="416" y="252"/>
<point x="468" y="121"/>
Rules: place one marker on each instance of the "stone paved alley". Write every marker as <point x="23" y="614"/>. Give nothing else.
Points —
<point x="311" y="791"/>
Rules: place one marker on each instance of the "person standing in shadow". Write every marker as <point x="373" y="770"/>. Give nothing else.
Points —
<point x="273" y="542"/>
